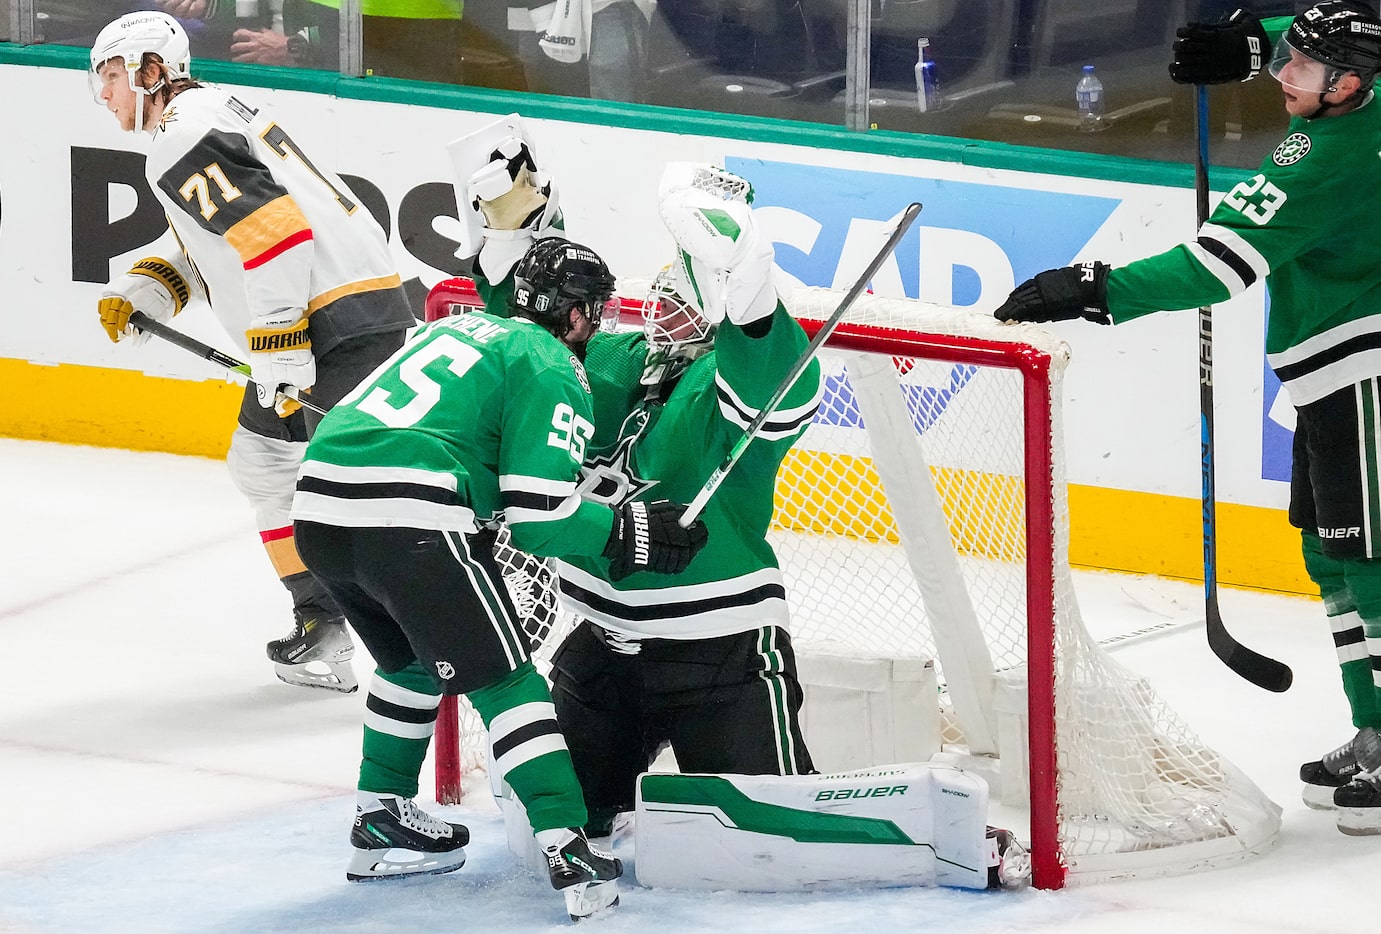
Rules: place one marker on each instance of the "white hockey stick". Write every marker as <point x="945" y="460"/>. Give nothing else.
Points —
<point x="716" y="477"/>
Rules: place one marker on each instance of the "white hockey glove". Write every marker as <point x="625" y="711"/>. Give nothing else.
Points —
<point x="152" y="286"/>
<point x="722" y="254"/>
<point x="518" y="202"/>
<point x="280" y="352"/>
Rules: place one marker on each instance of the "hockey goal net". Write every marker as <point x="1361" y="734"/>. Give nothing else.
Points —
<point x="924" y="514"/>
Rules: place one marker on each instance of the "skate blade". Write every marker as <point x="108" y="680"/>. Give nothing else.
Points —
<point x="588" y="898"/>
<point x="1359" y="822"/>
<point x="396" y="863"/>
<point x="1318" y="797"/>
<point x="338" y="676"/>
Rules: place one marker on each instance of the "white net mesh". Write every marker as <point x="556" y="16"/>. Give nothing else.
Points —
<point x="1134" y="783"/>
<point x="901" y="529"/>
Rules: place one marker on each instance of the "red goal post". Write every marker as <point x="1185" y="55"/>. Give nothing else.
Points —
<point x="925" y="512"/>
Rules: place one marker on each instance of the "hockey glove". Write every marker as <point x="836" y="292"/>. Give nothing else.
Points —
<point x="1233" y="49"/>
<point x="1061" y="295"/>
<point x="280" y="353"/>
<point x="646" y="537"/>
<point x="518" y="204"/>
<point x="723" y="255"/>
<point x="152" y="286"/>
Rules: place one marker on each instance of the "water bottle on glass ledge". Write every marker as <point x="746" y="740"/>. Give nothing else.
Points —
<point x="927" y="86"/>
<point x="1089" y="95"/>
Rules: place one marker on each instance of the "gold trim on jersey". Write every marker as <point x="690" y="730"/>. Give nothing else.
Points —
<point x="353" y="288"/>
<point x="284" y="557"/>
<point x="267" y="227"/>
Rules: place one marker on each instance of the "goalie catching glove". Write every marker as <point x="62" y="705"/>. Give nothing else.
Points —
<point x="152" y="286"/>
<point x="280" y="353"/>
<point x="1233" y="49"/>
<point x="518" y="202"/>
<point x="1060" y="295"/>
<point x="646" y="537"/>
<point x="722" y="257"/>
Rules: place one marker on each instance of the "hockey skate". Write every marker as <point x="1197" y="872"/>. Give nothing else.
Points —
<point x="1009" y="864"/>
<point x="1323" y="777"/>
<point x="584" y="874"/>
<point x="393" y="838"/>
<point x="316" y="654"/>
<point x="1359" y="805"/>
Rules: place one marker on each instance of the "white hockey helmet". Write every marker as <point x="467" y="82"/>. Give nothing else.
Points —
<point x="130" y="38"/>
<point x="676" y="328"/>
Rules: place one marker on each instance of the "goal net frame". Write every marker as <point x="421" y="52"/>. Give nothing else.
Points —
<point x="1240" y="823"/>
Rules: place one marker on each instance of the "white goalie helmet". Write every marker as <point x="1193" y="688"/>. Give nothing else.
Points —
<point x="676" y="330"/>
<point x="130" y="38"/>
<point x="675" y="319"/>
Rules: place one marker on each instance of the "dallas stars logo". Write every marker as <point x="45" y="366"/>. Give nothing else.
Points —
<point x="610" y="478"/>
<point x="1292" y="149"/>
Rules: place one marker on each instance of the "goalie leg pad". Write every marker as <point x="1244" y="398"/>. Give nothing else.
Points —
<point x="887" y="826"/>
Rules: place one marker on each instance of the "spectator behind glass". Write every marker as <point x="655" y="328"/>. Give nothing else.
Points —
<point x="416" y="39"/>
<point x="603" y="60"/>
<point x="240" y="30"/>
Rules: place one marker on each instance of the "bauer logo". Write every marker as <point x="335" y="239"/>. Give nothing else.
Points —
<point x="845" y="794"/>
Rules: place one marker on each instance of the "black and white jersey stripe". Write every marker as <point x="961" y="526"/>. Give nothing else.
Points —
<point x="362" y="497"/>
<point x="783" y="423"/>
<point x="1229" y="258"/>
<point x="537" y="499"/>
<point x="1321" y="365"/>
<point x="686" y="611"/>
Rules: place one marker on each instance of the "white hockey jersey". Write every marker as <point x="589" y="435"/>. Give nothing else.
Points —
<point x="267" y="230"/>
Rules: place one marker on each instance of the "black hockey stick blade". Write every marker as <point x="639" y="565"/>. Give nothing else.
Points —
<point x="1253" y="666"/>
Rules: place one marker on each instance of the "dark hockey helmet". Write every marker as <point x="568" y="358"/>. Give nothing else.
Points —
<point x="556" y="275"/>
<point x="1343" y="35"/>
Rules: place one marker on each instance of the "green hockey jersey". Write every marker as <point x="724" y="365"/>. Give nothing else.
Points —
<point x="664" y="448"/>
<point x="476" y="419"/>
<point x="1304" y="224"/>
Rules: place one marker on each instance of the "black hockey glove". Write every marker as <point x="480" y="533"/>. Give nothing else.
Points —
<point x="1233" y="49"/>
<point x="1061" y="295"/>
<point x="646" y="537"/>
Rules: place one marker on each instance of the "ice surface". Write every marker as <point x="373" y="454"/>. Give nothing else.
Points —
<point x="157" y="777"/>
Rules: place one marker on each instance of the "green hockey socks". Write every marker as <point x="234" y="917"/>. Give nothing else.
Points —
<point x="1351" y="591"/>
<point x="399" y="718"/>
<point x="528" y="751"/>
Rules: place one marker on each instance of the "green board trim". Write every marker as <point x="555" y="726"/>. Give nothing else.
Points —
<point x="977" y="153"/>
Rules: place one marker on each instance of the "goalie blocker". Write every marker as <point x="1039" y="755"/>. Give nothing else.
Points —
<point x="885" y="826"/>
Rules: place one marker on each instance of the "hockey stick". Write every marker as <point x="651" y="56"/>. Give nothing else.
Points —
<point x="173" y="336"/>
<point x="1258" y="669"/>
<point x="716" y="477"/>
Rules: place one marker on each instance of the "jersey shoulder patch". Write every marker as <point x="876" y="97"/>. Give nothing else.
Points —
<point x="1292" y="149"/>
